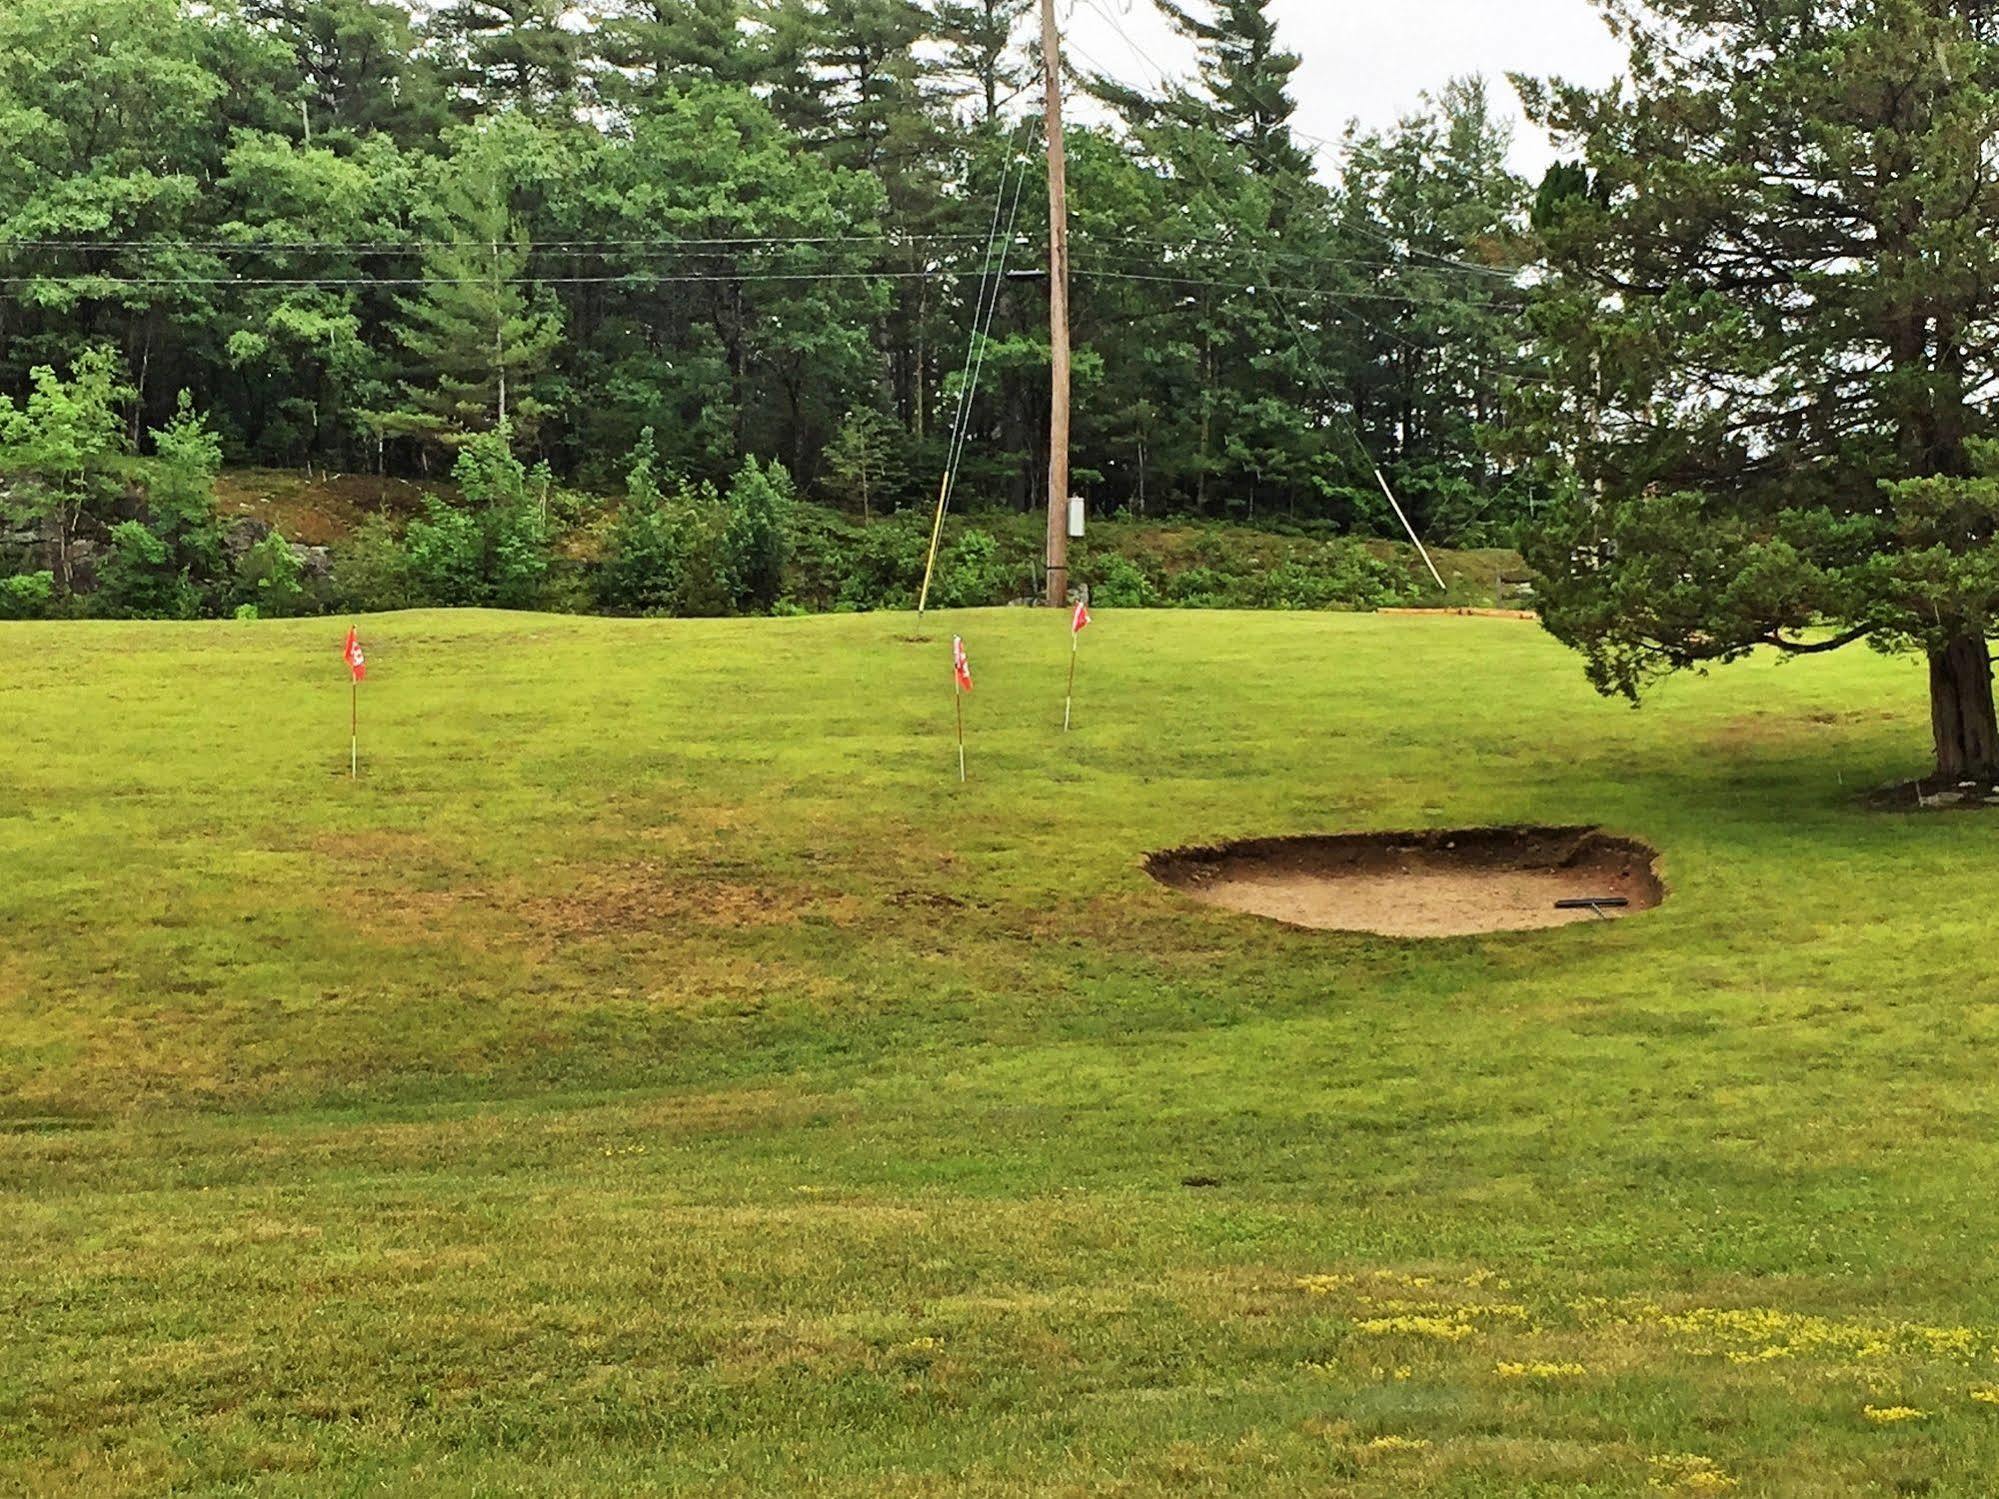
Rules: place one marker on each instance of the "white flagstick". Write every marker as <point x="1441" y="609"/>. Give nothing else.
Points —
<point x="958" y="693"/>
<point x="1075" y="649"/>
<point x="354" y="730"/>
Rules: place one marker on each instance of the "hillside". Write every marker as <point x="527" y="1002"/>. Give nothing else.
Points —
<point x="843" y="562"/>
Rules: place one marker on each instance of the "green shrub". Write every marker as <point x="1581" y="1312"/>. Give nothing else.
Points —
<point x="138" y="578"/>
<point x="517" y="553"/>
<point x="972" y="574"/>
<point x="642" y="565"/>
<point x="1119" y="583"/>
<point x="27" y="595"/>
<point x="756" y="539"/>
<point x="371" y="571"/>
<point x="271" y="577"/>
<point x="493" y="548"/>
<point x="881" y="567"/>
<point x="446" y="555"/>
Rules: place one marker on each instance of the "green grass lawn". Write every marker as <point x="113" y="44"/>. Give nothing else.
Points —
<point x="657" y="1073"/>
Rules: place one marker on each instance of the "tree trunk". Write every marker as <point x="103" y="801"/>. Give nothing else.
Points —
<point x="1961" y="711"/>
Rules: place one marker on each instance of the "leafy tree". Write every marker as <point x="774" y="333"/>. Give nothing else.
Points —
<point x="312" y="222"/>
<point x="1769" y="343"/>
<point x="760" y="342"/>
<point x="70" y="439"/>
<point x="112" y="114"/>
<point x="864" y="462"/>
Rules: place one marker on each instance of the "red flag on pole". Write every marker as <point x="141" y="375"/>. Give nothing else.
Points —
<point x="1081" y="622"/>
<point x="357" y="667"/>
<point x="961" y="673"/>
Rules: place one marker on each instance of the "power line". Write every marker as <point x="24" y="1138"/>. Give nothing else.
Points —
<point x="400" y="246"/>
<point x="629" y="278"/>
<point x="1327" y="293"/>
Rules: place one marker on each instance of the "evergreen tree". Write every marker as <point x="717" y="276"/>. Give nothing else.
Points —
<point x="512" y="52"/>
<point x="358" y="68"/>
<point x="652" y="45"/>
<point x="981" y="56"/>
<point x="864" y="461"/>
<point x="479" y="334"/>
<point x="1769" y="344"/>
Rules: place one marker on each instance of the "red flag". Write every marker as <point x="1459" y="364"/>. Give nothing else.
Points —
<point x="351" y="653"/>
<point x="1082" y="620"/>
<point x="960" y="665"/>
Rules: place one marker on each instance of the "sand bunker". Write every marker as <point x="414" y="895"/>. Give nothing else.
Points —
<point x="1422" y="884"/>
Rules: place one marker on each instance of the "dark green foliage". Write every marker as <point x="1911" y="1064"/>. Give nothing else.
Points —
<point x="372" y="571"/>
<point x="642" y="569"/>
<point x="756" y="537"/>
<point x="447" y="556"/>
<point x="1117" y="583"/>
<point x="492" y="547"/>
<point x="138" y="578"/>
<point x="1769" y="346"/>
<point x="67" y="443"/>
<point x="359" y="232"/>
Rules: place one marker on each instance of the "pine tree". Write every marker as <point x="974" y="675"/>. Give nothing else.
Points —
<point x="517" y="52"/>
<point x="864" y="461"/>
<point x="478" y="334"/>
<point x="651" y="45"/>
<point x="980" y="57"/>
<point x="1245" y="78"/>
<point x="359" y="68"/>
<point x="1769" y="346"/>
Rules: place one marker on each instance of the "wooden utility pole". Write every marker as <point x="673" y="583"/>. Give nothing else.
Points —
<point x="1058" y="316"/>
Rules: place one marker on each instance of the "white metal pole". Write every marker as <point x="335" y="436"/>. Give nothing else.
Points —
<point x="1382" y="479"/>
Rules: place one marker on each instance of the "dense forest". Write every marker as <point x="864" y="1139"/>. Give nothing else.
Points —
<point x="698" y="238"/>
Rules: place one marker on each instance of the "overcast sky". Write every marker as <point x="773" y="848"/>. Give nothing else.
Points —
<point x="1370" y="59"/>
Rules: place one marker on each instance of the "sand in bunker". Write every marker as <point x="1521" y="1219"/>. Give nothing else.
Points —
<point x="1431" y="884"/>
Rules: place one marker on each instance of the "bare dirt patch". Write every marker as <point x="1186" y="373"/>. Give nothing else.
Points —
<point x="1429" y="884"/>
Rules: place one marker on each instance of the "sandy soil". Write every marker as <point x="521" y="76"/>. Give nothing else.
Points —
<point x="1421" y="884"/>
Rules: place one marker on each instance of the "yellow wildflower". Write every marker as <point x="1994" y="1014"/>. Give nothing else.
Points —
<point x="1392" y="1443"/>
<point x="1691" y="1473"/>
<point x="1323" y="1285"/>
<point x="1449" y="1329"/>
<point x="1888" y="1415"/>
<point x="1538" y="1371"/>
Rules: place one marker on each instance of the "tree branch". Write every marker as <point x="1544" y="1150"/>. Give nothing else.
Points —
<point x="1818" y="648"/>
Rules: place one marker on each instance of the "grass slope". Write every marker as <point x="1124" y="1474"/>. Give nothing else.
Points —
<point x="658" y="1073"/>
